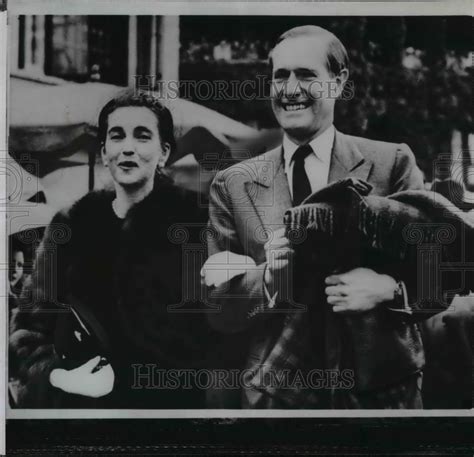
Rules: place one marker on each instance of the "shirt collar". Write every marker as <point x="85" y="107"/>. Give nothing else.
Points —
<point x="321" y="145"/>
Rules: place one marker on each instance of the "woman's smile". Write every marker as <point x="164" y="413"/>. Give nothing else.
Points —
<point x="133" y="147"/>
<point x="128" y="165"/>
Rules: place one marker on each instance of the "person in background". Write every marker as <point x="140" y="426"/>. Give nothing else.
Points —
<point x="205" y="50"/>
<point x="16" y="278"/>
<point x="252" y="53"/>
<point x="448" y="337"/>
<point x="236" y="50"/>
<point x="223" y="51"/>
<point x="16" y="270"/>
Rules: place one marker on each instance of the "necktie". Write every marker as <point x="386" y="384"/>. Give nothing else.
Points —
<point x="301" y="186"/>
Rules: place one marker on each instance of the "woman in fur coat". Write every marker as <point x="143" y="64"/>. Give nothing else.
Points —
<point x="117" y="257"/>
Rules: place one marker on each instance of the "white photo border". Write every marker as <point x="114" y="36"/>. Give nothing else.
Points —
<point x="139" y="7"/>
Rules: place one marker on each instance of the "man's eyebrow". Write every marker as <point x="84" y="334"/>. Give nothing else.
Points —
<point x="305" y="71"/>
<point x="281" y="72"/>
<point x="297" y="71"/>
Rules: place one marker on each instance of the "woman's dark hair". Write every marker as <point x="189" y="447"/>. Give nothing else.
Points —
<point x="131" y="97"/>
<point x="16" y="243"/>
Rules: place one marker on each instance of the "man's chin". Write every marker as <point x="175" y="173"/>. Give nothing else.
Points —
<point x="298" y="131"/>
<point x="294" y="121"/>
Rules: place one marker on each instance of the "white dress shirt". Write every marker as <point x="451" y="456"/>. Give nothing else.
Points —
<point x="317" y="164"/>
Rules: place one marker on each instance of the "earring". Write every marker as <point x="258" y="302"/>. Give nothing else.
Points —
<point x="102" y="152"/>
<point x="159" y="170"/>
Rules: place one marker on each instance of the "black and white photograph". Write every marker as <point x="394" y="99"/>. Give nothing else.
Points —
<point x="233" y="215"/>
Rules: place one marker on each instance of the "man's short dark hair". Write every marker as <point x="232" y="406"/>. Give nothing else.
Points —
<point x="131" y="97"/>
<point x="336" y="54"/>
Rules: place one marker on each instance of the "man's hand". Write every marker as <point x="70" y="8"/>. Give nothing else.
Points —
<point x="278" y="253"/>
<point x="82" y="380"/>
<point x="359" y="290"/>
<point x="223" y="266"/>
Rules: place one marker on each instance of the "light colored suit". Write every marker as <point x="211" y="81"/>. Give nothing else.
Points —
<point x="248" y="201"/>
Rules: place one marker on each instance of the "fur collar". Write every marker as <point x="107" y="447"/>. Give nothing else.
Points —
<point x="165" y="205"/>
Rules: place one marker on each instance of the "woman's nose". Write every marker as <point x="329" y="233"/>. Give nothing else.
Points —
<point x="129" y="147"/>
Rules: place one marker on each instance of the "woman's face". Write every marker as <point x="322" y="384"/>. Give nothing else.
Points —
<point x="16" y="267"/>
<point x="133" y="148"/>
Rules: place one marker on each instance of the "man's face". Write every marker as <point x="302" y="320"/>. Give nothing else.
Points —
<point x="303" y="90"/>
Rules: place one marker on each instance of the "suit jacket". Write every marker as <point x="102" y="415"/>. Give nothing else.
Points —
<point x="248" y="201"/>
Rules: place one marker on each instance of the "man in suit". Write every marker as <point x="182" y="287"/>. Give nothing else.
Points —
<point x="250" y="258"/>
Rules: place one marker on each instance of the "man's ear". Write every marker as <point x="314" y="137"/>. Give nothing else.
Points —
<point x="341" y="80"/>
<point x="105" y="161"/>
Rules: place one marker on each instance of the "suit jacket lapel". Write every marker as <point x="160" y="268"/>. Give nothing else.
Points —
<point x="347" y="160"/>
<point x="269" y="193"/>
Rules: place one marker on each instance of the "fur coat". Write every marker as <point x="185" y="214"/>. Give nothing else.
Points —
<point x="130" y="274"/>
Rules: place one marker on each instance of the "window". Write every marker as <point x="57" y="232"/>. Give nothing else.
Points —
<point x="78" y="46"/>
<point x="67" y="47"/>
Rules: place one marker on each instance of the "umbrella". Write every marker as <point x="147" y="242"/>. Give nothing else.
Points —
<point x="53" y="116"/>
<point x="26" y="219"/>
<point x="56" y="126"/>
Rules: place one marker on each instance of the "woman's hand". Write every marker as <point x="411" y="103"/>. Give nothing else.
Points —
<point x="83" y="381"/>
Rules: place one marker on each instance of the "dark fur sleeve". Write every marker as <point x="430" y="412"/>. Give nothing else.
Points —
<point x="31" y="353"/>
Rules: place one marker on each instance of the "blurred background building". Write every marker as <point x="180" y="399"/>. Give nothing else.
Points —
<point x="111" y="49"/>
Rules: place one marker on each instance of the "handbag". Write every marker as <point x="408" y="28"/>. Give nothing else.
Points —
<point x="79" y="337"/>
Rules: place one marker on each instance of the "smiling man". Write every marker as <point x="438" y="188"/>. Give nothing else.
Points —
<point x="248" y="201"/>
<point x="306" y="82"/>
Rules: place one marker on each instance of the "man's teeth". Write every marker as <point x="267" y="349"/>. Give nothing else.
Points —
<point x="294" y="107"/>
